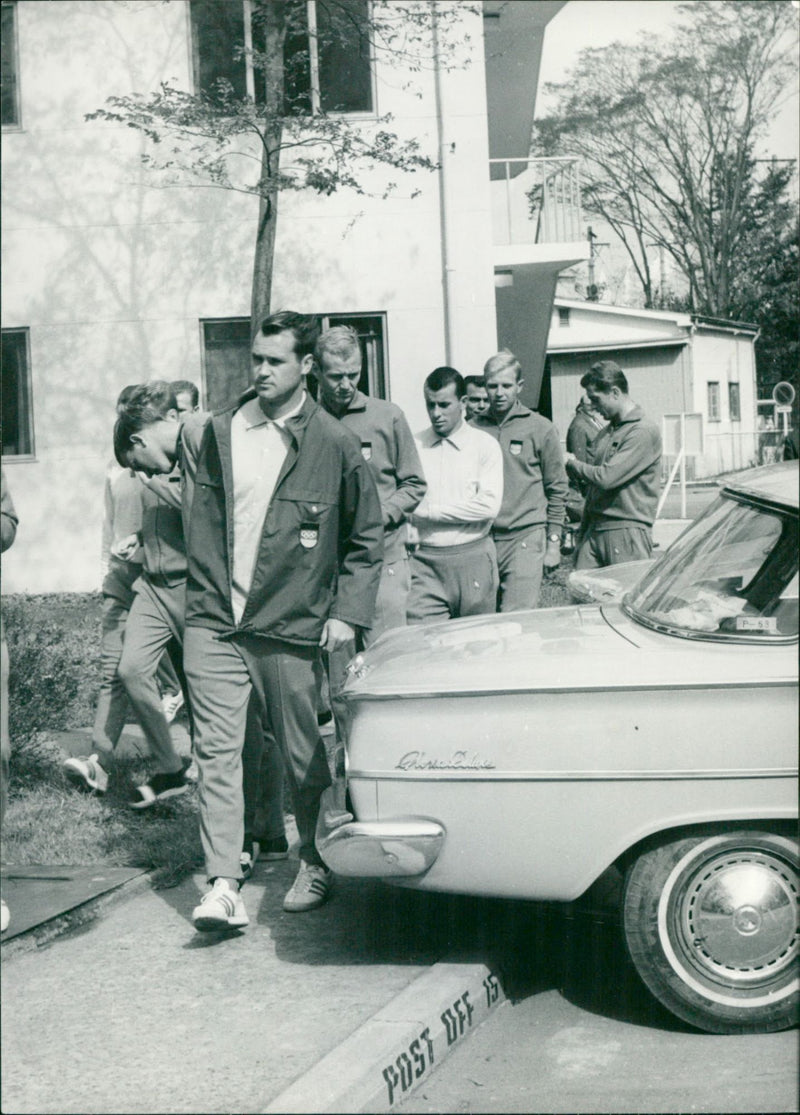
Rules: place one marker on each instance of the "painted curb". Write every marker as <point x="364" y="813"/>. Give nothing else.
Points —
<point x="387" y="1057"/>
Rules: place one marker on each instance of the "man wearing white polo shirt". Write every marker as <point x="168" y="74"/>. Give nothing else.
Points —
<point x="454" y="566"/>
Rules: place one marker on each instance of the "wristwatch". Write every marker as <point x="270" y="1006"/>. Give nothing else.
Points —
<point x="554" y="538"/>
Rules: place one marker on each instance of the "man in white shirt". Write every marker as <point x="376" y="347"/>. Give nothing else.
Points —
<point x="454" y="566"/>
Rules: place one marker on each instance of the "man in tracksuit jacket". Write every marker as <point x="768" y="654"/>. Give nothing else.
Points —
<point x="527" y="532"/>
<point x="387" y="445"/>
<point x="285" y="546"/>
<point x="623" y="474"/>
<point x="155" y="606"/>
<point x="583" y="429"/>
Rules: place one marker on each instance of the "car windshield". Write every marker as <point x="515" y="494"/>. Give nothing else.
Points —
<point x="731" y="575"/>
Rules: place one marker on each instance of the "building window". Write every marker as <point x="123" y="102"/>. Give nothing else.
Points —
<point x="226" y="356"/>
<point x="9" y="89"/>
<point x="734" y="402"/>
<point x="714" y="412"/>
<point x="226" y="361"/>
<point x="563" y="316"/>
<point x="17" y="408"/>
<point x="326" y="53"/>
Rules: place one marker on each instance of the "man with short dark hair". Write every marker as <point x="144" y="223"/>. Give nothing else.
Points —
<point x="476" y="398"/>
<point x="527" y="531"/>
<point x="622" y="478"/>
<point x="146" y="436"/>
<point x="285" y="549"/>
<point x="186" y="395"/>
<point x="454" y="567"/>
<point x="583" y="429"/>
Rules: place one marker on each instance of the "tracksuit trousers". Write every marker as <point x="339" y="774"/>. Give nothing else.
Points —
<point x="222" y="672"/>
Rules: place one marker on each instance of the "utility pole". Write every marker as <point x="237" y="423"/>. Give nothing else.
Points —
<point x="592" y="293"/>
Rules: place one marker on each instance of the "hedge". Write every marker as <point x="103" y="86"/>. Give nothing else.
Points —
<point x="54" y="652"/>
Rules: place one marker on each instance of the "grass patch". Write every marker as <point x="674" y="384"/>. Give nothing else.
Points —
<point x="49" y="821"/>
<point x="54" y="652"/>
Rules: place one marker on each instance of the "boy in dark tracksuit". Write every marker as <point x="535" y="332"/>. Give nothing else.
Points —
<point x="155" y="619"/>
<point x="527" y="532"/>
<point x="623" y="477"/>
<point x="583" y="429"/>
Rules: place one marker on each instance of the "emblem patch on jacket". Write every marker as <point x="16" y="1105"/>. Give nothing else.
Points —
<point x="366" y="450"/>
<point x="309" y="535"/>
<point x="515" y="448"/>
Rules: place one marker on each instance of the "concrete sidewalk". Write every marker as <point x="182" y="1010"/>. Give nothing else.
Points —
<point x="340" y="1009"/>
<point x="138" y="1012"/>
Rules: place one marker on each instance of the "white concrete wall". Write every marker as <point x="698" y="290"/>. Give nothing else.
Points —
<point x="112" y="276"/>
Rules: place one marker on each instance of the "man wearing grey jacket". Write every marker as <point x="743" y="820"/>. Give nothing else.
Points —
<point x="623" y="477"/>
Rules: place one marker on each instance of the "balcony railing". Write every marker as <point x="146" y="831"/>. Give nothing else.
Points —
<point x="536" y="201"/>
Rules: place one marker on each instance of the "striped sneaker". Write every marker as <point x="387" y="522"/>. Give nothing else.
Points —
<point x="220" y="908"/>
<point x="159" y="787"/>
<point x="85" y="771"/>
<point x="310" y="889"/>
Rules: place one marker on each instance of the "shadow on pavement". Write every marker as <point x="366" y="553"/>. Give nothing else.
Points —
<point x="535" y="947"/>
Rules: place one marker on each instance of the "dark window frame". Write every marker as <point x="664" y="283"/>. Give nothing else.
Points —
<point x="312" y="97"/>
<point x="10" y="73"/>
<point x="24" y="401"/>
<point x="375" y="374"/>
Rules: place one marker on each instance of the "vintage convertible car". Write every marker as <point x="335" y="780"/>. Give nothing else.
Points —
<point x="522" y="755"/>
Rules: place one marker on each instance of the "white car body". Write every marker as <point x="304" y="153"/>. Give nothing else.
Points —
<point x="520" y="755"/>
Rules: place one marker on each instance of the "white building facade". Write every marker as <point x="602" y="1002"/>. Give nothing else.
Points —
<point x="110" y="280"/>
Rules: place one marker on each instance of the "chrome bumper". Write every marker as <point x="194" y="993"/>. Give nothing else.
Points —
<point x="382" y="849"/>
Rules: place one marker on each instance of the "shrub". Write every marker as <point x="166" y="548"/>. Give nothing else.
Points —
<point x="54" y="652"/>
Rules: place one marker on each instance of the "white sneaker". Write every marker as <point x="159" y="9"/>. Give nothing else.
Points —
<point x="220" y="908"/>
<point x="310" y="889"/>
<point x="87" y="772"/>
<point x="5" y="916"/>
<point x="171" y="705"/>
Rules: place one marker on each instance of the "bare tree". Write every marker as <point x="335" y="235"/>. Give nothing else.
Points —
<point x="667" y="130"/>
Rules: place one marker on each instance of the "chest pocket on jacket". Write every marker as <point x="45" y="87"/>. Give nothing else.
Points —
<point x="304" y="520"/>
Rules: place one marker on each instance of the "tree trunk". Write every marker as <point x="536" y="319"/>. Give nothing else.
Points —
<point x="264" y="254"/>
<point x="274" y="14"/>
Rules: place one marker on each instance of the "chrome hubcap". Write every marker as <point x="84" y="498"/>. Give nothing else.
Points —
<point x="738" y="917"/>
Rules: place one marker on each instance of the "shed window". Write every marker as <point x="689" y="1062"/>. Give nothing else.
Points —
<point x="734" y="402"/>
<point x="714" y="413"/>
<point x="563" y="316"/>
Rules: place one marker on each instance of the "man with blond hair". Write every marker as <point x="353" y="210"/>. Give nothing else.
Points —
<point x="527" y="531"/>
<point x="387" y="445"/>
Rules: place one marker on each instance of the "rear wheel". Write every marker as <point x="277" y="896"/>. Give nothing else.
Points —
<point x="711" y="926"/>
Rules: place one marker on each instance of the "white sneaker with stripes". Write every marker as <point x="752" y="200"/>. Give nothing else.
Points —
<point x="310" y="889"/>
<point x="221" y="908"/>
